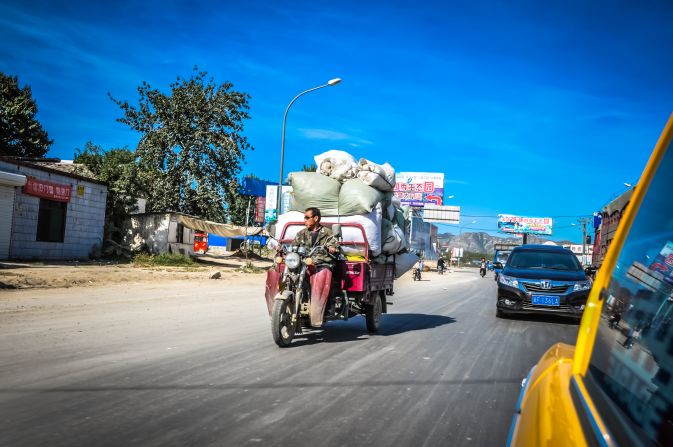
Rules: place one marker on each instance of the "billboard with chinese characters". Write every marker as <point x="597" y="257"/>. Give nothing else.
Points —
<point x="272" y="200"/>
<point x="511" y="224"/>
<point x="418" y="188"/>
<point x="260" y="209"/>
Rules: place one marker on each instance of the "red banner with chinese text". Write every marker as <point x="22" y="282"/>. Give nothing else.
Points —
<point x="260" y="204"/>
<point x="47" y="190"/>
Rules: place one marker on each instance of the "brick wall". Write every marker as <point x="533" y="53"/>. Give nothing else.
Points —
<point x="85" y="219"/>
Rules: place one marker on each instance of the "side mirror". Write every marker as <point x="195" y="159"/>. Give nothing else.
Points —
<point x="271" y="243"/>
<point x="336" y="231"/>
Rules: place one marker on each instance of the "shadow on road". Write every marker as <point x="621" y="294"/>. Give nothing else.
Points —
<point x="544" y="318"/>
<point x="355" y="329"/>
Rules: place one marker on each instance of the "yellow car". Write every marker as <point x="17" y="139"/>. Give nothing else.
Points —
<point x="615" y="386"/>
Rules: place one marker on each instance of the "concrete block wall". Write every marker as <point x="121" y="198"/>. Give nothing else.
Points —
<point x="85" y="219"/>
<point x="150" y="230"/>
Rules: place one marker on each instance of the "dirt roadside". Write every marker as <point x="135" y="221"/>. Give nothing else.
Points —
<point x="31" y="275"/>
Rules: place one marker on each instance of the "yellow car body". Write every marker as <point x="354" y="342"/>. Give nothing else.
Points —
<point x="555" y="407"/>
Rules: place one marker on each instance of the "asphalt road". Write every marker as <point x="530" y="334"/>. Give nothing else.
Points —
<point x="193" y="363"/>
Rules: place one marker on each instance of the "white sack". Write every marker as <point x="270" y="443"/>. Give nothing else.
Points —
<point x="371" y="223"/>
<point x="310" y="189"/>
<point x="338" y="165"/>
<point x="381" y="177"/>
<point x="404" y="262"/>
<point x="285" y="218"/>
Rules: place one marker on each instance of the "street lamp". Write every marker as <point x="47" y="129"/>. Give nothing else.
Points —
<point x="330" y="83"/>
<point x="460" y="229"/>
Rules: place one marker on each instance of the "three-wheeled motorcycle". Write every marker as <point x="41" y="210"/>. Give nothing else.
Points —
<point x="300" y="295"/>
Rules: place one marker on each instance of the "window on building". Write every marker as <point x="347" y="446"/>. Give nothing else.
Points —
<point x="51" y="221"/>
<point x="179" y="233"/>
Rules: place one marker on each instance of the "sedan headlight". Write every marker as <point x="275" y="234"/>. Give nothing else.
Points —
<point x="292" y="260"/>
<point x="582" y="285"/>
<point x="508" y="280"/>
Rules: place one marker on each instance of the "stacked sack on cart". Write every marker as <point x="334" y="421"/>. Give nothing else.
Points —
<point x="348" y="191"/>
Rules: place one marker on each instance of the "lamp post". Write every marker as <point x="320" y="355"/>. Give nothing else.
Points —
<point x="460" y="232"/>
<point x="330" y="83"/>
<point x="460" y="229"/>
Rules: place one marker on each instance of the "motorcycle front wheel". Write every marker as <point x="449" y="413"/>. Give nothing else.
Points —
<point x="282" y="327"/>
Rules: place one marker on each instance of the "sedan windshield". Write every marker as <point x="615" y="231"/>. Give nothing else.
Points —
<point x="543" y="260"/>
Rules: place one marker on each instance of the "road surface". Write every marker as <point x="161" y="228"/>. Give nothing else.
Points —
<point x="193" y="363"/>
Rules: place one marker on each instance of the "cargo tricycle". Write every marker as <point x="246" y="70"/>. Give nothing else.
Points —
<point x="301" y="295"/>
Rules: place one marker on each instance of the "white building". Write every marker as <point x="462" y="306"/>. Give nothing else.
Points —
<point x="585" y="259"/>
<point x="49" y="210"/>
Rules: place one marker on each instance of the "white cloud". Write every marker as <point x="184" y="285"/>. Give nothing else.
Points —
<point x="331" y="135"/>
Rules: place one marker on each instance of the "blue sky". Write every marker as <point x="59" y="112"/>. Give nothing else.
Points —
<point x="528" y="108"/>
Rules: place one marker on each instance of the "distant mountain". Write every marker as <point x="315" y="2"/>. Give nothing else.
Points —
<point x="483" y="242"/>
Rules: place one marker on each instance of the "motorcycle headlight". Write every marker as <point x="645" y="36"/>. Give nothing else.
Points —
<point x="292" y="260"/>
<point x="582" y="285"/>
<point x="508" y="280"/>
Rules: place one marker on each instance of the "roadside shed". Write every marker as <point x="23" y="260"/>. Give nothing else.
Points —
<point x="173" y="232"/>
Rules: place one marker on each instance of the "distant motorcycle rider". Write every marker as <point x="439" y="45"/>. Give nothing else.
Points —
<point x="441" y="264"/>
<point x="482" y="269"/>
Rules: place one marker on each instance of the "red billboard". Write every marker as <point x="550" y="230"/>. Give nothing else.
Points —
<point x="47" y="190"/>
<point x="260" y="205"/>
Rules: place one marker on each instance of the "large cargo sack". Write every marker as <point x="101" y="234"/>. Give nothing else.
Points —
<point x="357" y="198"/>
<point x="371" y="223"/>
<point x="404" y="262"/>
<point x="285" y="218"/>
<point x="310" y="189"/>
<point x="400" y="220"/>
<point x="381" y="177"/>
<point x="393" y="239"/>
<point x="338" y="165"/>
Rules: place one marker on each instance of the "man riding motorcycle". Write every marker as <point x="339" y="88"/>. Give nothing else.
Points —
<point x="482" y="269"/>
<point x="316" y="235"/>
<point x="441" y="265"/>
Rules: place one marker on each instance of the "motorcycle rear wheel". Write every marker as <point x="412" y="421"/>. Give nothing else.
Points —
<point x="373" y="314"/>
<point x="282" y="328"/>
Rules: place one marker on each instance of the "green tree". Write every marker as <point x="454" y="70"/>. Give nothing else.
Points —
<point x="309" y="168"/>
<point x="191" y="144"/>
<point x="119" y="170"/>
<point x="21" y="135"/>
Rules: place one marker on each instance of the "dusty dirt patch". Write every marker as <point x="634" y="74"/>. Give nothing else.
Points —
<point x="72" y="274"/>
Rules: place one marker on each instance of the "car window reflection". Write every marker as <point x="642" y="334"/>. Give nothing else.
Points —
<point x="632" y="362"/>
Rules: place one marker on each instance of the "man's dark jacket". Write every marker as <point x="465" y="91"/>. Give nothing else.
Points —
<point x="325" y="239"/>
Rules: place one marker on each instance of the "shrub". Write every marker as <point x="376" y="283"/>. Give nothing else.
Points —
<point x="165" y="259"/>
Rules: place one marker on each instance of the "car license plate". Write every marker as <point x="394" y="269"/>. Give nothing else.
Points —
<point x="546" y="300"/>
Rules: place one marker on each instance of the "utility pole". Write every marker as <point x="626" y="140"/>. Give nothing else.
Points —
<point x="584" y="221"/>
